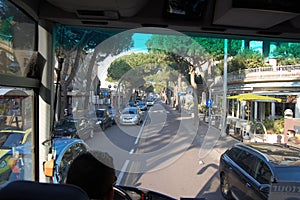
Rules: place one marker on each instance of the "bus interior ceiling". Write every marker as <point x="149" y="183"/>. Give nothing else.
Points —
<point x="255" y="18"/>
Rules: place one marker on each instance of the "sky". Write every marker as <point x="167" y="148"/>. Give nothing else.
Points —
<point x="139" y="40"/>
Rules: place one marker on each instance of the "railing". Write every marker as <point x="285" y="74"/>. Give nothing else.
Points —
<point x="261" y="74"/>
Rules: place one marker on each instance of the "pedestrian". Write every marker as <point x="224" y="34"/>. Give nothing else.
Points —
<point x="94" y="172"/>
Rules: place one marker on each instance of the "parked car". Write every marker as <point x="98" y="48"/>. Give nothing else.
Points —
<point x="10" y="138"/>
<point x="248" y="170"/>
<point x="113" y="114"/>
<point x="130" y="116"/>
<point x="104" y="118"/>
<point x="16" y="162"/>
<point x="142" y="106"/>
<point x="71" y="127"/>
<point x="131" y="103"/>
<point x="150" y="101"/>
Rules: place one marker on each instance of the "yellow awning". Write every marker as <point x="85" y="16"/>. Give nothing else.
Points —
<point x="253" y="97"/>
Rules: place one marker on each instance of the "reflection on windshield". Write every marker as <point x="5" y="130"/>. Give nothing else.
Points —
<point x="9" y="140"/>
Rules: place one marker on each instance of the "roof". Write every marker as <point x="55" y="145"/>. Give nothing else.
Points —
<point x="257" y="18"/>
<point x="12" y="92"/>
<point x="278" y="154"/>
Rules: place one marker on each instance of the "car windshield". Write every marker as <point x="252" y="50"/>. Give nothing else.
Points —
<point x="9" y="140"/>
<point x="99" y="113"/>
<point x="67" y="123"/>
<point x="130" y="111"/>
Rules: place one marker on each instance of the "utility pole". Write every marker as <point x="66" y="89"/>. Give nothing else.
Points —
<point x="223" y="128"/>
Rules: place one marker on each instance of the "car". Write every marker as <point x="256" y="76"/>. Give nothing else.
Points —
<point x="66" y="151"/>
<point x="14" y="162"/>
<point x="247" y="170"/>
<point x="74" y="127"/>
<point x="150" y="101"/>
<point x="142" y="106"/>
<point x="130" y="116"/>
<point x="113" y="114"/>
<point x="104" y="118"/>
<point x="12" y="137"/>
<point x="131" y="103"/>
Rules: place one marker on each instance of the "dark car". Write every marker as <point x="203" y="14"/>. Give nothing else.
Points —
<point x="71" y="127"/>
<point x="248" y="170"/>
<point x="113" y="114"/>
<point x="142" y="106"/>
<point x="104" y="118"/>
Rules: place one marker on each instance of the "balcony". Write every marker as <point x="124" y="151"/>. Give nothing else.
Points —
<point x="290" y="73"/>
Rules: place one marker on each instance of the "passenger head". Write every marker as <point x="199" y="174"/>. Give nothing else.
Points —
<point x="93" y="172"/>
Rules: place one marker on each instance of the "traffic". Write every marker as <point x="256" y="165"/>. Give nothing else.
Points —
<point x="140" y="99"/>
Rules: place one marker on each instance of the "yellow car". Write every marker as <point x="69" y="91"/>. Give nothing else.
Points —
<point x="9" y="139"/>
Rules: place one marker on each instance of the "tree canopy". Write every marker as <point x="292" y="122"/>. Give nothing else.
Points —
<point x="287" y="53"/>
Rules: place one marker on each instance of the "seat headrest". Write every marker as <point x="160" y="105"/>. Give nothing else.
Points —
<point x="30" y="190"/>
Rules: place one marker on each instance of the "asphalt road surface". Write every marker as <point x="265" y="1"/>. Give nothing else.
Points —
<point x="169" y="153"/>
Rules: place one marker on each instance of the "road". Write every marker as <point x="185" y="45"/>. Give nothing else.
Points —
<point x="168" y="153"/>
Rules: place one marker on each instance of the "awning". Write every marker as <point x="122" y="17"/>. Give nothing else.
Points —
<point x="253" y="97"/>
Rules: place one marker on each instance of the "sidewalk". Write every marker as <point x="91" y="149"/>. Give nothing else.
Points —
<point x="222" y="143"/>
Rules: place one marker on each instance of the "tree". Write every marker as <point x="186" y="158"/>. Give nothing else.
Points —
<point x="182" y="49"/>
<point x="81" y="49"/>
<point x="136" y="69"/>
<point x="287" y="53"/>
<point x="245" y="59"/>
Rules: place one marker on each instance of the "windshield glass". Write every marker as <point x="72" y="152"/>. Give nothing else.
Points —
<point x="179" y="77"/>
<point x="100" y="113"/>
<point x="181" y="96"/>
<point x="129" y="111"/>
<point x="9" y="140"/>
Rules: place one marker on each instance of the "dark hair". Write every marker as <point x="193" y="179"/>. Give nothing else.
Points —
<point x="93" y="172"/>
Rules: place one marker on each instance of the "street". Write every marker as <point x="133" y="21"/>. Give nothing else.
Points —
<point x="168" y="153"/>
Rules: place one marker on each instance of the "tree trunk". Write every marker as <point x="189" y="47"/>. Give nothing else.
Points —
<point x="89" y="79"/>
<point x="195" y="90"/>
<point x="179" y="80"/>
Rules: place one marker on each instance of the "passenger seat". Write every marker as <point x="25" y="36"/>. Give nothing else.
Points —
<point x="30" y="190"/>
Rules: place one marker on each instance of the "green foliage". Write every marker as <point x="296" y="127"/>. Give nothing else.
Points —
<point x="215" y="46"/>
<point x="287" y="53"/>
<point x="202" y="108"/>
<point x="279" y="126"/>
<point x="117" y="69"/>
<point x="274" y="126"/>
<point x="268" y="123"/>
<point x="147" y="64"/>
<point x="69" y="38"/>
<point x="246" y="59"/>
<point x="6" y="28"/>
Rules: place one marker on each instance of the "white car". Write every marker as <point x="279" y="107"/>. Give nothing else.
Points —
<point x="150" y="102"/>
<point x="130" y="116"/>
